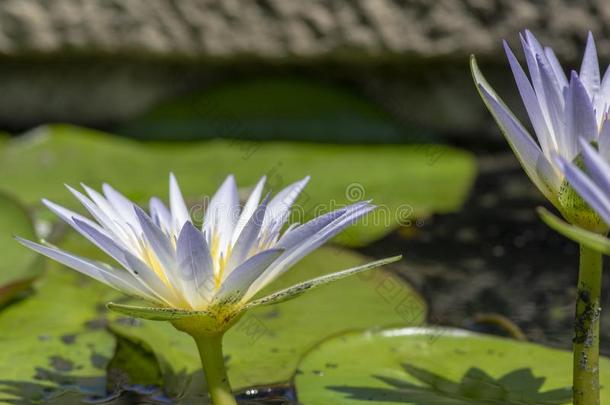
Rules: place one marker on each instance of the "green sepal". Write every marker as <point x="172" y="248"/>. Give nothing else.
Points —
<point x="298" y="289"/>
<point x="587" y="238"/>
<point x="154" y="313"/>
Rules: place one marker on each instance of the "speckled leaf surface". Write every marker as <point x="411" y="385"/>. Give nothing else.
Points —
<point x="423" y="366"/>
<point x="54" y="341"/>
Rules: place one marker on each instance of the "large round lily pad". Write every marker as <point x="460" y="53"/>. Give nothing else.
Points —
<point x="424" y="366"/>
<point x="263" y="109"/>
<point x="54" y="342"/>
<point x="407" y="182"/>
<point x="19" y="266"/>
<point x="265" y="345"/>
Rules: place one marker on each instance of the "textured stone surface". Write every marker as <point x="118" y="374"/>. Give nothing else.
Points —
<point x="99" y="62"/>
<point x="289" y="28"/>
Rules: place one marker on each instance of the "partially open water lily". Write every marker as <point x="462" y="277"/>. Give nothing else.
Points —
<point x="200" y="279"/>
<point x="562" y="110"/>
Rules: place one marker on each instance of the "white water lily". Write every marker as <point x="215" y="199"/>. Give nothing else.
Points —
<point x="167" y="260"/>
<point x="200" y="279"/>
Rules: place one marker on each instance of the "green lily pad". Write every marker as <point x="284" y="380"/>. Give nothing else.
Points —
<point x="438" y="366"/>
<point x="263" y="109"/>
<point x="19" y="266"/>
<point x="55" y="342"/>
<point x="407" y="182"/>
<point x="265" y="345"/>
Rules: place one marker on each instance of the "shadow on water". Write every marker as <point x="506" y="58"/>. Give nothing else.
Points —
<point x="519" y="387"/>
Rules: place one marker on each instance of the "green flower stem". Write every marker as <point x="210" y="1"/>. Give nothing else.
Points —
<point x="586" y="328"/>
<point x="212" y="360"/>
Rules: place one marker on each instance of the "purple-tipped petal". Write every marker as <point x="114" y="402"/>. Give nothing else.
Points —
<point x="554" y="102"/>
<point x="527" y="151"/>
<point x="580" y="117"/>
<point x="589" y="69"/>
<point x="604" y="141"/>
<point x="532" y="105"/>
<point x="560" y="75"/>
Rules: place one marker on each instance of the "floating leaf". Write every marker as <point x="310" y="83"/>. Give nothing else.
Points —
<point x="264" y="109"/>
<point x="422" y="366"/>
<point x="55" y="341"/>
<point x="265" y="345"/>
<point x="19" y="266"/>
<point x="422" y="179"/>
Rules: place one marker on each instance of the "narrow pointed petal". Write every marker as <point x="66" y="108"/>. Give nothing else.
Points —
<point x="66" y="215"/>
<point x="556" y="66"/>
<point x="160" y="215"/>
<point x="178" y="208"/>
<point x="235" y="286"/>
<point x="249" y="208"/>
<point x="160" y="245"/>
<point x="122" y="206"/>
<point x="114" y="278"/>
<point x="530" y="48"/>
<point x="589" y="70"/>
<point x="279" y="207"/>
<point x="100" y="215"/>
<point x="527" y="151"/>
<point x="298" y="289"/>
<point x="555" y="105"/>
<point x="300" y="250"/>
<point x="532" y="106"/>
<point x="587" y="189"/>
<point x="604" y="141"/>
<point x="248" y="237"/>
<point x="303" y="232"/>
<point x="222" y="214"/>
<point x="196" y="267"/>
<point x="139" y="269"/>
<point x="580" y="117"/>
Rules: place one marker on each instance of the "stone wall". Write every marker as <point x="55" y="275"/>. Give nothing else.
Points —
<point x="102" y="61"/>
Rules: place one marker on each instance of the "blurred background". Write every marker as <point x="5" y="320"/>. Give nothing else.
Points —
<point x="373" y="98"/>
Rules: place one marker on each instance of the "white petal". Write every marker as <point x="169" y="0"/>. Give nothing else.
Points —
<point x="178" y="208"/>
<point x="222" y="214"/>
<point x="234" y="287"/>
<point x="120" y="280"/>
<point x="249" y="208"/>
<point x="196" y="267"/>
